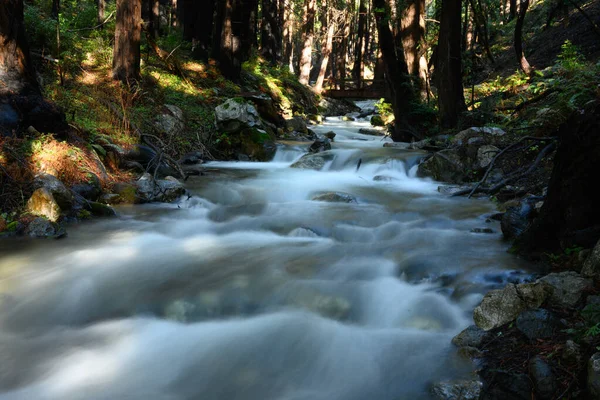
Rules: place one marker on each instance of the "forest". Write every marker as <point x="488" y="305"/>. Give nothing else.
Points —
<point x="336" y="199"/>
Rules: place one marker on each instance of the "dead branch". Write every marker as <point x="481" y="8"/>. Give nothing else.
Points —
<point x="526" y="103"/>
<point x="512" y="177"/>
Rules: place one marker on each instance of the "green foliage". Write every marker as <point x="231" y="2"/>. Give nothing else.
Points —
<point x="570" y="59"/>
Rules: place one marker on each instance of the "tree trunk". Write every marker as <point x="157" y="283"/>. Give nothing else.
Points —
<point x="55" y="9"/>
<point x="512" y="10"/>
<point x="327" y="48"/>
<point x="451" y="98"/>
<point x="357" y="69"/>
<point x="396" y="72"/>
<point x="101" y="4"/>
<point x="128" y="31"/>
<point x="570" y="215"/>
<point x="413" y="40"/>
<point x="217" y="31"/>
<point x="523" y="63"/>
<point x="246" y="26"/>
<point x="155" y="18"/>
<point x="17" y="75"/>
<point x="307" y="39"/>
<point x="271" y="35"/>
<point x="288" y="34"/>
<point x="479" y="16"/>
<point x="230" y="54"/>
<point x="174" y="13"/>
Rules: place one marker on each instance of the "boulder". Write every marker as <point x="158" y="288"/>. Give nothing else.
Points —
<point x="303" y="232"/>
<point x="348" y="118"/>
<point x="43" y="204"/>
<point x="472" y="336"/>
<point x="504" y="385"/>
<point x="266" y="107"/>
<point x="516" y="220"/>
<point x="62" y="195"/>
<point x="256" y="143"/>
<point x="457" y="390"/>
<point x="566" y="289"/>
<point x="502" y="306"/>
<point x="571" y="353"/>
<point x="127" y="193"/>
<point x="330" y="135"/>
<point x="445" y="166"/>
<point x="593" y="376"/>
<point x="42" y="228"/>
<point x="320" y="145"/>
<point x="538" y="324"/>
<point x="296" y="124"/>
<point x="372" y="131"/>
<point x="164" y="190"/>
<point x="101" y="210"/>
<point x="313" y="161"/>
<point x="463" y="136"/>
<point x="335" y="197"/>
<point x="376" y="120"/>
<point x="332" y="107"/>
<point x="543" y="379"/>
<point x="485" y="155"/>
<point x="235" y="115"/>
<point x="591" y="266"/>
<point x="192" y="158"/>
<point x="170" y="121"/>
<point x="315" y="119"/>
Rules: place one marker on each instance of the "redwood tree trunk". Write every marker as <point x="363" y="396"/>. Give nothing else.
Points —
<point x="271" y="35"/>
<point x="451" y="98"/>
<point x="155" y="17"/>
<point x="396" y="73"/>
<point x="128" y="31"/>
<point x="230" y="54"/>
<point x="308" y="38"/>
<point x="327" y="48"/>
<point x="288" y="34"/>
<point x="570" y="215"/>
<point x="17" y="75"/>
<point x="413" y="39"/>
<point x="357" y="69"/>
<point x="523" y="63"/>
<point x="247" y="25"/>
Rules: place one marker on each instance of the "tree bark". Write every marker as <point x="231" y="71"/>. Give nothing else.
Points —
<point x="17" y="75"/>
<point x="523" y="63"/>
<point x="174" y="13"/>
<point x="128" y="31"/>
<point x="55" y="9"/>
<point x="307" y="39"/>
<point x="512" y="9"/>
<point x="413" y="40"/>
<point x="357" y="69"/>
<point x="396" y="72"/>
<point x="271" y="34"/>
<point x="288" y="34"/>
<point x="101" y="4"/>
<point x="155" y="18"/>
<point x="230" y="54"/>
<point x="570" y="214"/>
<point x="451" y="98"/>
<point x="247" y="26"/>
<point x="327" y="48"/>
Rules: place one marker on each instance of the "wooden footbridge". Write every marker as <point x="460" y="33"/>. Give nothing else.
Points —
<point x="356" y="89"/>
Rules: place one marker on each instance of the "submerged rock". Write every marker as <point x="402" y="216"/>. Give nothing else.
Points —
<point x="330" y="135"/>
<point x="473" y="336"/>
<point x="457" y="390"/>
<point x="335" y="197"/>
<point x="41" y="228"/>
<point x="445" y="166"/>
<point x="320" y="145"/>
<point x="296" y="124"/>
<point x="313" y="161"/>
<point x="303" y="232"/>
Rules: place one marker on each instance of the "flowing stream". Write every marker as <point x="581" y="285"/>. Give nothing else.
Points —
<point x="251" y="290"/>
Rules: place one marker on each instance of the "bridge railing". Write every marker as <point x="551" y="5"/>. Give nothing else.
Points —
<point x="353" y="88"/>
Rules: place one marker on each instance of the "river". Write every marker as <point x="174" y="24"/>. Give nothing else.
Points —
<point x="250" y="290"/>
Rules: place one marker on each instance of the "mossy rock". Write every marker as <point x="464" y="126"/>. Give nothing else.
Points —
<point x="376" y="120"/>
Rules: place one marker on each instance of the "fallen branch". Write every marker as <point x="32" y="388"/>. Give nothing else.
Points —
<point x="159" y="150"/>
<point x="476" y="188"/>
<point x="526" y="103"/>
<point x="94" y="27"/>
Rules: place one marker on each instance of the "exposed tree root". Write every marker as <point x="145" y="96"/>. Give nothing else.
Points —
<point x="515" y="175"/>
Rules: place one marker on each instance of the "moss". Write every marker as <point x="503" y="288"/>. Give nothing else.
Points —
<point x="84" y="214"/>
<point x="12" y="227"/>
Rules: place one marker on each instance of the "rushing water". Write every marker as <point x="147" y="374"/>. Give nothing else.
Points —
<point x="251" y="290"/>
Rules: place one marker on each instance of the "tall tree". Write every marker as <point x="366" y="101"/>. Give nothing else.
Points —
<point x="128" y="31"/>
<point x="326" y="47"/>
<point x="308" y="35"/>
<point x="413" y="40"/>
<point x="359" y="49"/>
<point x="523" y="63"/>
<point x="230" y="49"/>
<point x="101" y="5"/>
<point x="17" y="75"/>
<point x="451" y="98"/>
<point x="288" y="17"/>
<point x="246" y="23"/>
<point x="155" y="18"/>
<point x="198" y="26"/>
<point x="396" y="73"/>
<point x="271" y="35"/>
